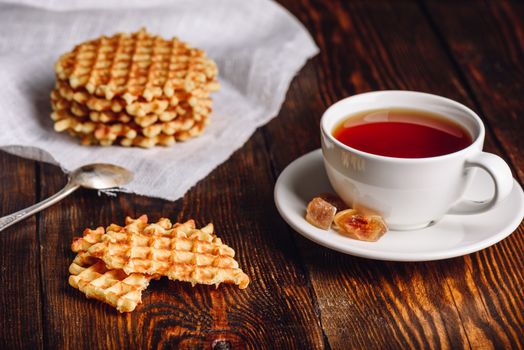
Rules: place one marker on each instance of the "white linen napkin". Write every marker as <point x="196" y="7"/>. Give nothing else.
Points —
<point x="258" y="47"/>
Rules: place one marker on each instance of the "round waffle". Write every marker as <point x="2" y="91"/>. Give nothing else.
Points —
<point x="136" y="65"/>
<point x="134" y="90"/>
<point x="184" y="109"/>
<point x="138" y="107"/>
<point x="128" y="133"/>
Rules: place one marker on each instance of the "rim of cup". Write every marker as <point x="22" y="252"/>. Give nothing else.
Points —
<point x="476" y="139"/>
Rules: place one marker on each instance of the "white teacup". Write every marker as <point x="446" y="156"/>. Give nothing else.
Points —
<point x="410" y="193"/>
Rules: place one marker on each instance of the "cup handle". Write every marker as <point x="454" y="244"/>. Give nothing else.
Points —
<point x="499" y="171"/>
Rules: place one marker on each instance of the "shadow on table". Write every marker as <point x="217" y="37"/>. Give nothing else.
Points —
<point x="328" y="263"/>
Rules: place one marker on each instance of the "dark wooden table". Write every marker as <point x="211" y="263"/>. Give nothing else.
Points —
<point x="301" y="295"/>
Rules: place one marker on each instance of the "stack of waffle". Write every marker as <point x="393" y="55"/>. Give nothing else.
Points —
<point x="134" y="90"/>
<point x="115" y="265"/>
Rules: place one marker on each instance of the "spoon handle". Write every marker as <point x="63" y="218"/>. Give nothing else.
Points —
<point x="9" y="220"/>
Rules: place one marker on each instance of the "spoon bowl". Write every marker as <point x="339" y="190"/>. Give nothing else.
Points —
<point x="100" y="176"/>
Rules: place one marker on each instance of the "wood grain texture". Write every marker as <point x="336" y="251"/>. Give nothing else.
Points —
<point x="487" y="45"/>
<point x="20" y="298"/>
<point x="376" y="45"/>
<point x="275" y="311"/>
<point x="488" y="49"/>
<point x="302" y="296"/>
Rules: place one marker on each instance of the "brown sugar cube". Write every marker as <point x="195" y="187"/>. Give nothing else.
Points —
<point x="320" y="213"/>
<point x="334" y="200"/>
<point x="358" y="226"/>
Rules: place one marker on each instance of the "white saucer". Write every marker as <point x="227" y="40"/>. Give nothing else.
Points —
<point x="454" y="235"/>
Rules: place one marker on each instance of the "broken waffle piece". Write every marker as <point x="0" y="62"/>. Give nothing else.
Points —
<point x="358" y="226"/>
<point x="320" y="213"/>
<point x="89" y="237"/>
<point x="180" y="251"/>
<point x="114" y="287"/>
<point x="91" y="276"/>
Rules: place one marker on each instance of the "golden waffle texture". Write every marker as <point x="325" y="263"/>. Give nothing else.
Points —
<point x="180" y="252"/>
<point x="134" y="90"/>
<point x="114" y="287"/>
<point x="116" y="264"/>
<point x="91" y="276"/>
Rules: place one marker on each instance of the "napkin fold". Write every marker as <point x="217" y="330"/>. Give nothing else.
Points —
<point x="258" y="47"/>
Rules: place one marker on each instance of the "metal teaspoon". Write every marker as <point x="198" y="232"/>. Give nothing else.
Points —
<point x="94" y="176"/>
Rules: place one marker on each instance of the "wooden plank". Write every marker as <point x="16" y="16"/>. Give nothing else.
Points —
<point x="369" y="46"/>
<point x="465" y="302"/>
<point x="20" y="299"/>
<point x="276" y="311"/>
<point x="489" y="49"/>
<point x="488" y="46"/>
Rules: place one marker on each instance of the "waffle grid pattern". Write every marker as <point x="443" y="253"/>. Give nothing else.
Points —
<point x="135" y="65"/>
<point x="114" y="287"/>
<point x="133" y="90"/>
<point x="116" y="264"/>
<point x="181" y="253"/>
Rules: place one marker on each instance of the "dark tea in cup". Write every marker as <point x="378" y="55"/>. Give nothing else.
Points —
<point x="402" y="133"/>
<point x="408" y="156"/>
